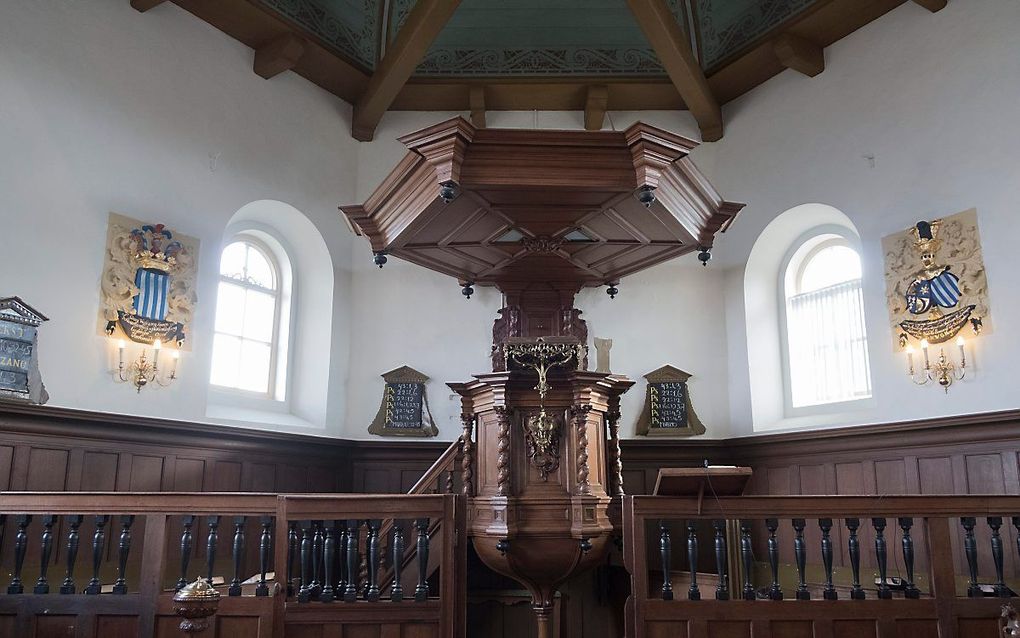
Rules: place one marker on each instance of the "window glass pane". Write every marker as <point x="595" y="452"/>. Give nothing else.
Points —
<point x="232" y="261"/>
<point x="230" y="308"/>
<point x="828" y="267"/>
<point x="259" y="316"/>
<point x="254" y="373"/>
<point x="225" y="360"/>
<point x="259" y="272"/>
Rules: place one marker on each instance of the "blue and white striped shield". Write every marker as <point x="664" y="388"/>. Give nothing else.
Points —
<point x="153" y="287"/>
<point x="945" y="289"/>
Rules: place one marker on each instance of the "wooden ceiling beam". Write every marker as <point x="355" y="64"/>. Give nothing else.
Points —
<point x="799" y="54"/>
<point x="278" y="55"/>
<point x="413" y="40"/>
<point x="145" y="5"/>
<point x="932" y="5"/>
<point x="595" y="107"/>
<point x="673" y="48"/>
<point x="476" y="100"/>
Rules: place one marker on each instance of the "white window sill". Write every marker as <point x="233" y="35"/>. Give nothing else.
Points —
<point x="242" y="409"/>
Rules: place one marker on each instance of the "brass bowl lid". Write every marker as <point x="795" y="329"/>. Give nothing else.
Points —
<point x="198" y="590"/>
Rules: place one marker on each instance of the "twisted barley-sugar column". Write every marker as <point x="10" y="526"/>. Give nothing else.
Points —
<point x="467" y="455"/>
<point x="615" y="455"/>
<point x="503" y="452"/>
<point x="579" y="413"/>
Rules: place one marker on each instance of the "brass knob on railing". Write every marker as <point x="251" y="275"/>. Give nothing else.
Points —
<point x="195" y="603"/>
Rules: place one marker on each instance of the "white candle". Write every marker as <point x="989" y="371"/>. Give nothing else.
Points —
<point x="924" y="349"/>
<point x="959" y="344"/>
<point x="157" y="346"/>
<point x="120" y="352"/>
<point x="176" y="356"/>
<point x="910" y="359"/>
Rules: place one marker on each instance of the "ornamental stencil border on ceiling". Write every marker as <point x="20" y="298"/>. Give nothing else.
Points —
<point x="353" y="32"/>
<point x="720" y="39"/>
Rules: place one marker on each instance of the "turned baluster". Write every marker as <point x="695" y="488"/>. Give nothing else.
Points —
<point x="341" y="560"/>
<point x="747" y="560"/>
<point x="997" y="556"/>
<point x="775" y="591"/>
<point x="467" y="451"/>
<point x="123" y="549"/>
<point x="328" y="594"/>
<point x="42" y="585"/>
<point x="20" y="549"/>
<point x="722" y="590"/>
<point x="825" y="524"/>
<point x="98" y="547"/>
<point x="74" y="521"/>
<point x="317" y="541"/>
<point x="884" y="592"/>
<point x="397" y="589"/>
<point x="265" y="547"/>
<point x="800" y="555"/>
<point x="910" y="591"/>
<point x="372" y="591"/>
<point x="970" y="549"/>
<point x="693" y="592"/>
<point x="854" y="548"/>
<point x="421" y="591"/>
<point x="353" y="536"/>
<point x="305" y="591"/>
<point x="186" y="541"/>
<point x="292" y="556"/>
<point x="666" y="554"/>
<point x="213" y="523"/>
<point x="237" y="554"/>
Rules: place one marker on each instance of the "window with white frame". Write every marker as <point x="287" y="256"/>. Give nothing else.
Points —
<point x="826" y="336"/>
<point x="247" y="333"/>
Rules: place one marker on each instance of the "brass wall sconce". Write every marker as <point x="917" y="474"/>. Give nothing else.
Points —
<point x="943" y="371"/>
<point x="142" y="372"/>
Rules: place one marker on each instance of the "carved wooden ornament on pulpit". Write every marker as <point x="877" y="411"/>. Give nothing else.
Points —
<point x="540" y="215"/>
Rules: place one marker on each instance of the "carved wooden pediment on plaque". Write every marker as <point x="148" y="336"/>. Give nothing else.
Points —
<point x="668" y="410"/>
<point x="405" y="407"/>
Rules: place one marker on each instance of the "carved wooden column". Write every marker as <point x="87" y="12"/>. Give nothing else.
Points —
<point x="615" y="455"/>
<point x="579" y="415"/>
<point x="467" y="455"/>
<point x="503" y="451"/>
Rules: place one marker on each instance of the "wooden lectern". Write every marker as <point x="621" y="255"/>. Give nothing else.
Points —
<point x="714" y="480"/>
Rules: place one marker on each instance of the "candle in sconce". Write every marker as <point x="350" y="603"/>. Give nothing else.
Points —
<point x="176" y="356"/>
<point x="910" y="358"/>
<point x="959" y="344"/>
<point x="924" y="349"/>
<point x="120" y="352"/>
<point x="157" y="345"/>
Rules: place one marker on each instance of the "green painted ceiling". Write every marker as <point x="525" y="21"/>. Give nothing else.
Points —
<point x="488" y="38"/>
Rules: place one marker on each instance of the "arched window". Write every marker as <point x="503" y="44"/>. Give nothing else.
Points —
<point x="826" y="337"/>
<point x="247" y="334"/>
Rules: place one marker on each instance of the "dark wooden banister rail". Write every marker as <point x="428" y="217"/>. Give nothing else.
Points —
<point x="926" y="522"/>
<point x="260" y="520"/>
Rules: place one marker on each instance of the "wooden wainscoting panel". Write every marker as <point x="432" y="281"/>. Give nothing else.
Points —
<point x="890" y="477"/>
<point x="188" y="475"/>
<point x="666" y="630"/>
<point x="854" y="629"/>
<point x="116" y="626"/>
<point x="56" y="626"/>
<point x="146" y="473"/>
<point x="6" y="462"/>
<point x="47" y="470"/>
<point x="419" y="630"/>
<point x="226" y="477"/>
<point x="102" y="474"/>
<point x="732" y="629"/>
<point x="916" y="628"/>
<point x="976" y="627"/>
<point x="793" y="628"/>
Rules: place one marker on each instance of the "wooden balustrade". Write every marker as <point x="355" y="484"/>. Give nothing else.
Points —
<point x="144" y="546"/>
<point x="945" y="604"/>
